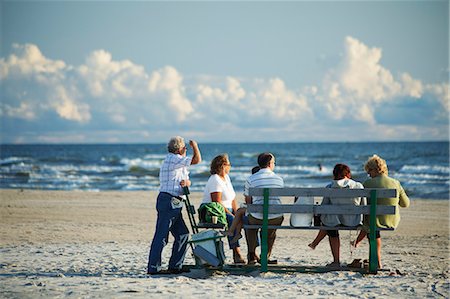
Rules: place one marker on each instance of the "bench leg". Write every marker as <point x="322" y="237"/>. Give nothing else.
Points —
<point x="264" y="232"/>
<point x="373" y="256"/>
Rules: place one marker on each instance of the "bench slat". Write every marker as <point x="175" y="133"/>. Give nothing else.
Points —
<point x="360" y="227"/>
<point x="325" y="192"/>
<point x="322" y="209"/>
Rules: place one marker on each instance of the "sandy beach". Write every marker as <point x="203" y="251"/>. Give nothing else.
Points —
<point x="95" y="244"/>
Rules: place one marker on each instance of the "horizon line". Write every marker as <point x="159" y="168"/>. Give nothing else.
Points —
<point x="231" y="142"/>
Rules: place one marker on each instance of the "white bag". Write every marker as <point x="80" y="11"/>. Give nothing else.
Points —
<point x="303" y="219"/>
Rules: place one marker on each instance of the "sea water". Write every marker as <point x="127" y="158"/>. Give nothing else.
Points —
<point x="422" y="167"/>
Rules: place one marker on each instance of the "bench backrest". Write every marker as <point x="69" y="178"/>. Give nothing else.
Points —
<point x="350" y="209"/>
<point x="325" y="192"/>
<point x="321" y="209"/>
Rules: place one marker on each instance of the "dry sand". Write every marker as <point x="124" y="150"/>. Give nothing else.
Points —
<point x="89" y="244"/>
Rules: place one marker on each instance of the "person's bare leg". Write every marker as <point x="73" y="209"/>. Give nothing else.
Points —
<point x="361" y="236"/>
<point x="237" y="257"/>
<point x="320" y="235"/>
<point x="237" y="221"/>
<point x="335" y="245"/>
<point x="379" y="252"/>
<point x="238" y="232"/>
<point x="232" y="228"/>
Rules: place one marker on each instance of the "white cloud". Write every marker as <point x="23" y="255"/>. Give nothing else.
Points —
<point x="360" y="85"/>
<point x="105" y="77"/>
<point x="28" y="60"/>
<point x="124" y="97"/>
<point x="260" y="103"/>
<point x="442" y="93"/>
<point x="361" y="74"/>
<point x="42" y="86"/>
<point x="166" y="85"/>
<point x="273" y="100"/>
<point x="24" y="111"/>
<point x="68" y="108"/>
<point x="411" y="86"/>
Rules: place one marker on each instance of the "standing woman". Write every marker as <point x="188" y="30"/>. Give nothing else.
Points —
<point x="173" y="176"/>
<point x="377" y="169"/>
<point x="219" y="189"/>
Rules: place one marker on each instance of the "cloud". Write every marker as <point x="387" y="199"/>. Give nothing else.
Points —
<point x="167" y="84"/>
<point x="442" y="93"/>
<point x="361" y="74"/>
<point x="360" y="87"/>
<point x="67" y="108"/>
<point x="24" y="111"/>
<point x="28" y="61"/>
<point x="104" y="77"/>
<point x="112" y="98"/>
<point x="34" y="84"/>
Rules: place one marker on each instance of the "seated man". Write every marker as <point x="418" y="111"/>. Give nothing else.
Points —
<point x="264" y="178"/>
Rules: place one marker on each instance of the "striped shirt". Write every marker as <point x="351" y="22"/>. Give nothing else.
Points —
<point x="265" y="178"/>
<point x="173" y="170"/>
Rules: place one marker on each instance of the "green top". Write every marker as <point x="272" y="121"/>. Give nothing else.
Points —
<point x="402" y="200"/>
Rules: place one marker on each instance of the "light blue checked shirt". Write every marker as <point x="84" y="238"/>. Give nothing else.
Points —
<point x="173" y="170"/>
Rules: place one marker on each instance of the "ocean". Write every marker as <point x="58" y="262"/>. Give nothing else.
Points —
<point x="421" y="167"/>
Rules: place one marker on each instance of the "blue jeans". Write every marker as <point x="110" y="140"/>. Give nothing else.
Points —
<point x="230" y="219"/>
<point x="169" y="220"/>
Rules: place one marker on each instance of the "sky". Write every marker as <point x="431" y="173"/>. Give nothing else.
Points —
<point x="271" y="71"/>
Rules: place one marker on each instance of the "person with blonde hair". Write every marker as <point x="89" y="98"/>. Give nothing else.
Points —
<point x="377" y="169"/>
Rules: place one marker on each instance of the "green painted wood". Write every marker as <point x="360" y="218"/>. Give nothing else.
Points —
<point x="324" y="192"/>
<point x="322" y="209"/>
<point x="264" y="233"/>
<point x="256" y="226"/>
<point x="373" y="257"/>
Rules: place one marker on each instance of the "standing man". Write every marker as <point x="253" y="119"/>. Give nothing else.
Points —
<point x="173" y="176"/>
<point x="264" y="178"/>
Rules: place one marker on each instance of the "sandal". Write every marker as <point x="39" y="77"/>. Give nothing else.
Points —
<point x="333" y="265"/>
<point x="356" y="263"/>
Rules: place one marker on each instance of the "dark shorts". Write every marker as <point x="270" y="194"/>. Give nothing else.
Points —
<point x="377" y="235"/>
<point x="333" y="233"/>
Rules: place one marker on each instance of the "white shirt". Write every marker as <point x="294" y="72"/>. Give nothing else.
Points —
<point x="265" y="178"/>
<point x="217" y="184"/>
<point x="347" y="220"/>
<point x="173" y="170"/>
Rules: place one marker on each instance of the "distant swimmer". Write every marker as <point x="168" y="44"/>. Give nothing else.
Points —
<point x="320" y="166"/>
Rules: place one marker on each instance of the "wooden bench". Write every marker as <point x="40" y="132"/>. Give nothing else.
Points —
<point x="372" y="210"/>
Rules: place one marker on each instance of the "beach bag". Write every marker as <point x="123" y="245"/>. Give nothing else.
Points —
<point x="302" y="219"/>
<point x="207" y="210"/>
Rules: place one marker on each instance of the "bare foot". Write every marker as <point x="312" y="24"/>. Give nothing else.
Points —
<point x="312" y="246"/>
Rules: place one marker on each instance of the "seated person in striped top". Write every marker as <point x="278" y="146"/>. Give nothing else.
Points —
<point x="264" y="178"/>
